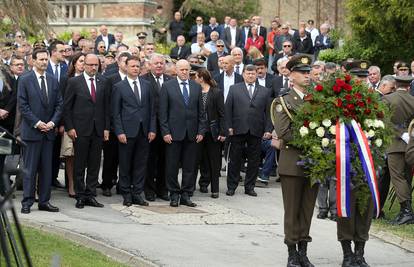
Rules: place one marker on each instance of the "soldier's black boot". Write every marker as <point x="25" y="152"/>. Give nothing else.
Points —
<point x="293" y="259"/>
<point x="406" y="215"/>
<point x="348" y="260"/>
<point x="359" y="254"/>
<point x="303" y="258"/>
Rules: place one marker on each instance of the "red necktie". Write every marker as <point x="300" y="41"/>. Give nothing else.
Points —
<point x="93" y="91"/>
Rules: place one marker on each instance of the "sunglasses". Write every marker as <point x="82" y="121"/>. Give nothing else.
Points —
<point x="287" y="46"/>
<point x="220" y="45"/>
<point x="102" y="47"/>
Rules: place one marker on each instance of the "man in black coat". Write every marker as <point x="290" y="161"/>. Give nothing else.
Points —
<point x="247" y="121"/>
<point x="302" y="42"/>
<point x="228" y="77"/>
<point x="232" y="36"/>
<point x="183" y="125"/>
<point x="181" y="50"/>
<point x="87" y="121"/>
<point x="107" y="38"/>
<point x="134" y="121"/>
<point x="212" y="61"/>
<point x="155" y="185"/>
<point x="197" y="28"/>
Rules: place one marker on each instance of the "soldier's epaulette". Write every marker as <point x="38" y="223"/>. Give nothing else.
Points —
<point x="284" y="93"/>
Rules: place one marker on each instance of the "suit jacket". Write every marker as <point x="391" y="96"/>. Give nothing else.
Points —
<point x="111" y="40"/>
<point x="155" y="91"/>
<point x="269" y="80"/>
<point x="34" y="109"/>
<point x="289" y="155"/>
<point x="8" y="100"/>
<point x="63" y="70"/>
<point x="277" y="86"/>
<point x="402" y="107"/>
<point x="246" y="115"/>
<point x="80" y="112"/>
<point x="128" y="114"/>
<point x="177" y="119"/>
<point x="184" y="53"/>
<point x="193" y="33"/>
<point x="262" y="32"/>
<point x="113" y="79"/>
<point x="227" y="38"/>
<point x="212" y="62"/>
<point x="319" y="44"/>
<point x="215" y="109"/>
<point x="111" y="69"/>
<point x="244" y="36"/>
<point x="305" y="46"/>
<point x="220" y="80"/>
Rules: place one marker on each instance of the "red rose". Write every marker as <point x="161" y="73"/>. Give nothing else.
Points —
<point x="369" y="100"/>
<point x="358" y="96"/>
<point x="348" y="97"/>
<point x="306" y="123"/>
<point x="367" y="111"/>
<point x="361" y="104"/>
<point x="338" y="103"/>
<point x="347" y="78"/>
<point x="347" y="87"/>
<point x="350" y="106"/>
<point x="340" y="82"/>
<point x="346" y="113"/>
<point x="318" y="87"/>
<point x="380" y="115"/>
<point x="336" y="89"/>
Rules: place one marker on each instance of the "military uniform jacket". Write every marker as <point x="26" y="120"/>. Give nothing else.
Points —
<point x="402" y="106"/>
<point x="289" y="156"/>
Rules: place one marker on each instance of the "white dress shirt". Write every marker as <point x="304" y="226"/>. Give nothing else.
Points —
<point x="262" y="81"/>
<point x="227" y="82"/>
<point x="131" y="83"/>
<point x="88" y="81"/>
<point x="53" y="64"/>
<point x="181" y="86"/>
<point x="106" y="41"/>
<point x="200" y="28"/>
<point x="122" y="75"/>
<point x="233" y="36"/>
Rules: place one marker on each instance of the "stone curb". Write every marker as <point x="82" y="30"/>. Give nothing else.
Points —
<point x="403" y="243"/>
<point x="116" y="254"/>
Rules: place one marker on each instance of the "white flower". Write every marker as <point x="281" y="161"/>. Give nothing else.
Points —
<point x="313" y="125"/>
<point x="325" y="142"/>
<point x="326" y="123"/>
<point x="378" y="142"/>
<point x="320" y="132"/>
<point x="303" y="131"/>
<point x="317" y="149"/>
<point x="370" y="134"/>
<point x="379" y="124"/>
<point x="368" y="122"/>
<point x="332" y="130"/>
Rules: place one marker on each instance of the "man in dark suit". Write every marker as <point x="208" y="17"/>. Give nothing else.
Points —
<point x="87" y="123"/>
<point x="228" y="77"/>
<point x="40" y="105"/>
<point x="183" y="125"/>
<point x="197" y="28"/>
<point x="57" y="67"/>
<point x="281" y="82"/>
<point x="302" y="42"/>
<point x="263" y="78"/>
<point x="134" y="121"/>
<point x="247" y="121"/>
<point x="261" y="31"/>
<point x="245" y="31"/>
<point x="155" y="185"/>
<point x="232" y="36"/>
<point x="181" y="50"/>
<point x="212" y="61"/>
<point x="323" y="41"/>
<point x="110" y="147"/>
<point x="107" y="38"/>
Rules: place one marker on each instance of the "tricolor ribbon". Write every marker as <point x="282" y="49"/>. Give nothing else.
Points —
<point x="343" y="165"/>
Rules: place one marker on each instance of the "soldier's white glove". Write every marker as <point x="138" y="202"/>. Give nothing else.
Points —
<point x="405" y="137"/>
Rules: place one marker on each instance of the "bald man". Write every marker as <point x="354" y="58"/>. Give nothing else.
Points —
<point x="183" y="125"/>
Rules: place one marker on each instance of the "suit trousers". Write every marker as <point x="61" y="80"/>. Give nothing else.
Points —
<point x="87" y="156"/>
<point x="184" y="151"/>
<point x="37" y="158"/>
<point x="56" y="156"/>
<point x="237" y="144"/>
<point x="133" y="157"/>
<point x="400" y="176"/>
<point x="299" y="202"/>
<point x="210" y="162"/>
<point x="327" y="196"/>
<point x="110" y="162"/>
<point x="384" y="184"/>
<point x="155" y="178"/>
<point x="357" y="226"/>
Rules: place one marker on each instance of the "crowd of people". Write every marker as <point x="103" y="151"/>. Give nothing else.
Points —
<point x="151" y="114"/>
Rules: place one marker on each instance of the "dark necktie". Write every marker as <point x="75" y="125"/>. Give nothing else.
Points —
<point x="43" y="88"/>
<point x="185" y="93"/>
<point x="250" y="90"/>
<point x="136" y="92"/>
<point x="158" y="83"/>
<point x="179" y="51"/>
<point x="286" y="84"/>
<point x="57" y="72"/>
<point x="238" y="69"/>
<point x="93" y="90"/>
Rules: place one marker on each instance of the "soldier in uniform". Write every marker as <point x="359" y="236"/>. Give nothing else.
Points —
<point x="298" y="195"/>
<point x="402" y="104"/>
<point x="356" y="227"/>
<point x="160" y="26"/>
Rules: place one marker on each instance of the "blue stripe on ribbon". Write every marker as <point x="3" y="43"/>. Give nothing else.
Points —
<point x="348" y="171"/>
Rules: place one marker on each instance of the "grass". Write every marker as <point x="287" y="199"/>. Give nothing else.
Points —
<point x="44" y="246"/>
<point x="403" y="231"/>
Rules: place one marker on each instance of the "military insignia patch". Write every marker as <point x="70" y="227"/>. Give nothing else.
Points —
<point x="279" y="108"/>
<point x="304" y="60"/>
<point x="364" y="65"/>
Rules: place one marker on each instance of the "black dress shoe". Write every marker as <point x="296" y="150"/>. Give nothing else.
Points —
<point x="150" y="197"/>
<point x="187" y="202"/>
<point x="164" y="197"/>
<point x="106" y="192"/>
<point x="48" y="207"/>
<point x="230" y="192"/>
<point x="93" y="203"/>
<point x="214" y="195"/>
<point x="333" y="217"/>
<point x="251" y="193"/>
<point x="127" y="202"/>
<point x="137" y="200"/>
<point x="322" y="215"/>
<point x="203" y="189"/>
<point x="25" y="209"/>
<point x="80" y="204"/>
<point x="174" y="203"/>
<point x="57" y="184"/>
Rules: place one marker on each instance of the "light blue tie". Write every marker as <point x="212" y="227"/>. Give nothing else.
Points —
<point x="185" y="93"/>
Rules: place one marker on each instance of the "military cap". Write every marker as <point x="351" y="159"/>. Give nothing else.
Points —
<point x="142" y="35"/>
<point x="194" y="68"/>
<point x="299" y="62"/>
<point x="358" y="67"/>
<point x="407" y="79"/>
<point x="201" y="58"/>
<point x="402" y="66"/>
<point x="110" y="54"/>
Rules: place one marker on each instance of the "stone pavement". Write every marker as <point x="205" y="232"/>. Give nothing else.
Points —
<point x="228" y="231"/>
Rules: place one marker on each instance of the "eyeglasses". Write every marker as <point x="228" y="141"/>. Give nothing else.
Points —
<point x="220" y="45"/>
<point x="287" y="46"/>
<point x="102" y="47"/>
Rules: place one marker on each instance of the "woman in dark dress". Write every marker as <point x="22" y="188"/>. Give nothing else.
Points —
<point x="210" y="152"/>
